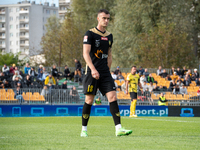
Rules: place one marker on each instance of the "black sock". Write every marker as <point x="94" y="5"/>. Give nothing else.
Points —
<point x="86" y="114"/>
<point x="114" y="109"/>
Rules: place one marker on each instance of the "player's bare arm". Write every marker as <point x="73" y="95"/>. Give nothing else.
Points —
<point x="127" y="82"/>
<point x="109" y="59"/>
<point x="86" y="56"/>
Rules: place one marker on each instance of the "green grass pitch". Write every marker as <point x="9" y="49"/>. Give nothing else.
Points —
<point x="52" y="133"/>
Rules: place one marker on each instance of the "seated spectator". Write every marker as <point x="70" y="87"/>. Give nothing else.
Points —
<point x="74" y="93"/>
<point x="17" y="70"/>
<point x="141" y="70"/>
<point x="142" y="79"/>
<point x="113" y="75"/>
<point x="50" y="79"/>
<point x="97" y="101"/>
<point x="45" y="74"/>
<point x="156" y="88"/>
<point x="145" y="86"/>
<point x="117" y="70"/>
<point x="7" y="84"/>
<point x="27" y="68"/>
<point x="45" y="91"/>
<point x="178" y="71"/>
<point x="174" y="76"/>
<point x="5" y="70"/>
<point x="164" y="74"/>
<point x="172" y="71"/>
<point x="19" y="85"/>
<point x="3" y="77"/>
<point x="17" y="76"/>
<point x="184" y="71"/>
<point x="179" y="79"/>
<point x="189" y="73"/>
<point x="44" y="71"/>
<point x="28" y="81"/>
<point x="159" y="71"/>
<point x="12" y="69"/>
<point x="119" y="76"/>
<point x="32" y="72"/>
<point x="196" y="74"/>
<point x="67" y="73"/>
<point x="151" y="87"/>
<point x="40" y="76"/>
<point x="198" y="82"/>
<point x="179" y="83"/>
<point x="18" y="94"/>
<point x="193" y="78"/>
<point x="183" y="90"/>
<point x="168" y="78"/>
<point x="54" y="72"/>
<point x="176" y="90"/>
<point x="172" y="85"/>
<point x="148" y="96"/>
<point x="162" y="100"/>
<point x="150" y="79"/>
<point x="40" y="68"/>
<point x="187" y="81"/>
<point x="161" y="89"/>
<point x="146" y="73"/>
<point x="64" y="85"/>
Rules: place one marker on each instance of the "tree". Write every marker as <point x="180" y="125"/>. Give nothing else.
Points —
<point x="9" y="59"/>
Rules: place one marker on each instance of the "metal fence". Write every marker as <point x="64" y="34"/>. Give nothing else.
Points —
<point x="63" y="96"/>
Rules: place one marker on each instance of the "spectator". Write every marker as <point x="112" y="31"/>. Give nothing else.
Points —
<point x="151" y="87"/>
<point x="7" y="84"/>
<point x="44" y="71"/>
<point x="27" y="80"/>
<point x="178" y="71"/>
<point x="198" y="82"/>
<point x="187" y="81"/>
<point x="123" y="87"/>
<point x="67" y="73"/>
<point x="179" y="79"/>
<point x="150" y="79"/>
<point x="156" y="88"/>
<point x="54" y="72"/>
<point x="27" y="68"/>
<point x="159" y="71"/>
<point x="32" y="72"/>
<point x="12" y="69"/>
<point x="174" y="76"/>
<point x="184" y="71"/>
<point x="40" y="76"/>
<point x="168" y="78"/>
<point x="18" y="94"/>
<point x="146" y="72"/>
<point x="141" y="70"/>
<point x="172" y="71"/>
<point x="176" y="90"/>
<point x="45" y="74"/>
<point x="3" y="77"/>
<point x="179" y="83"/>
<point x="144" y="86"/>
<point x="74" y="93"/>
<point x="196" y="74"/>
<point x="40" y="69"/>
<point x="119" y="76"/>
<point x="5" y="70"/>
<point x="172" y="85"/>
<point x="97" y="101"/>
<point x="45" y="91"/>
<point x="51" y="86"/>
<point x="164" y="74"/>
<point x="193" y="78"/>
<point x="17" y="76"/>
<point x="183" y="90"/>
<point x="113" y="75"/>
<point x="142" y="79"/>
<point x="117" y="70"/>
<point x="17" y="70"/>
<point x="19" y="85"/>
<point x="162" y="100"/>
<point x="198" y="92"/>
<point x="189" y="73"/>
<point x="50" y="79"/>
<point x="64" y="85"/>
<point x="161" y="89"/>
<point x="148" y="96"/>
<point x="78" y="67"/>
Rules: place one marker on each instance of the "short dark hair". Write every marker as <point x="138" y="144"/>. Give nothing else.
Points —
<point x="103" y="10"/>
<point x="133" y="67"/>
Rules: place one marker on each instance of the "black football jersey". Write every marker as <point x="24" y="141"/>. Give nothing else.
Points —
<point x="100" y="43"/>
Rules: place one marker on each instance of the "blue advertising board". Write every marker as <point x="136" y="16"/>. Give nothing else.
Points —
<point x="76" y="110"/>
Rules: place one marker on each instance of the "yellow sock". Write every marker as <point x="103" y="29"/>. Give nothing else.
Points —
<point x="134" y="106"/>
<point x="131" y="108"/>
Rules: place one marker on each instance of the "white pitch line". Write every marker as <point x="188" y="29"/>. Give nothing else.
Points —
<point x="167" y="120"/>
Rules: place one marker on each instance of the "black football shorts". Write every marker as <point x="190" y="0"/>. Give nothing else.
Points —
<point x="133" y="95"/>
<point x="105" y="83"/>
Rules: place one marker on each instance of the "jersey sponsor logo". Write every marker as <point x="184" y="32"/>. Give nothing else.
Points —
<point x="104" y="38"/>
<point x="100" y="55"/>
<point x="85" y="38"/>
<point x="97" y="43"/>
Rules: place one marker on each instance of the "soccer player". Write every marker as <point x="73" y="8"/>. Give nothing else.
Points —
<point x="97" y="45"/>
<point x="133" y="80"/>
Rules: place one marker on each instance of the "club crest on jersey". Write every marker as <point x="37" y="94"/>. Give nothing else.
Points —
<point x="97" y="43"/>
<point x="85" y="38"/>
<point x="104" y="38"/>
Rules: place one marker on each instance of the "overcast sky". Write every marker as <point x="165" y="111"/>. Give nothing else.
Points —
<point x="2" y="2"/>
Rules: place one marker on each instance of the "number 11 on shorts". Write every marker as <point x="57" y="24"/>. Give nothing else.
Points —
<point x="90" y="88"/>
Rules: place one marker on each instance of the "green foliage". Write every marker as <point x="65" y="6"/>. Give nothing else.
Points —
<point x="9" y="59"/>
